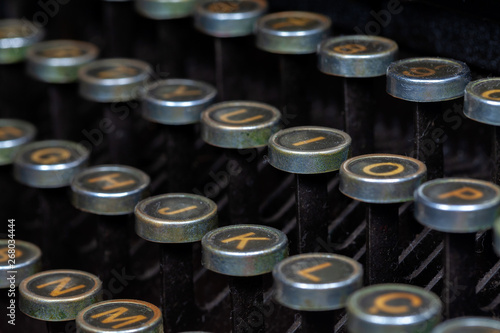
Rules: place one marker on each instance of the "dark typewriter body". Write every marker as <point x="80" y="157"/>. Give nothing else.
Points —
<point x="467" y="30"/>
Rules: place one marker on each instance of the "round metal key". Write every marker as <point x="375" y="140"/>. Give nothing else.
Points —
<point x="482" y="101"/>
<point x="121" y="315"/>
<point x="468" y="325"/>
<point x="309" y="149"/>
<point x="14" y="133"/>
<point x="175" y="218"/>
<point x="356" y="56"/>
<point x="228" y="18"/>
<point x="165" y="9"/>
<point x="457" y="205"/>
<point x="58" y="61"/>
<point x="18" y="260"/>
<point x="15" y="38"/>
<point x="109" y="189"/>
<point x="427" y="79"/>
<point x="381" y="178"/>
<point x="393" y="308"/>
<point x="239" y="124"/>
<point x="58" y="295"/>
<point x="113" y="80"/>
<point x="176" y="101"/>
<point x="291" y="32"/>
<point x="243" y="250"/>
<point x="316" y="282"/>
<point x="50" y="163"/>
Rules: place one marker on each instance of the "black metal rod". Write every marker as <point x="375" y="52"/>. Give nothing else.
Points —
<point x="62" y="110"/>
<point x="382" y="243"/>
<point x="180" y="156"/>
<point x="173" y="37"/>
<point x="496" y="155"/>
<point x="177" y="295"/>
<point x="311" y="196"/>
<point x="460" y="278"/>
<point x="243" y="200"/>
<point x="246" y="299"/>
<point x="317" y="322"/>
<point x="360" y="110"/>
<point x="118" y="24"/>
<point x="295" y="82"/>
<point x="58" y="326"/>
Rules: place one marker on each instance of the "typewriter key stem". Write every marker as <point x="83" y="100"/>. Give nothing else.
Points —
<point x="118" y="24"/>
<point x="496" y="155"/>
<point x="247" y="303"/>
<point x="180" y="156"/>
<point x="317" y="322"/>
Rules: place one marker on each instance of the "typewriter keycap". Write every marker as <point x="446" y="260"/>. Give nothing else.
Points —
<point x="459" y="208"/>
<point x="245" y="253"/>
<point x="14" y="133"/>
<point x="58" y="295"/>
<point x="121" y="315"/>
<point x="228" y="18"/>
<point x="165" y="9"/>
<point x="50" y="163"/>
<point x="315" y="284"/>
<point x="176" y="221"/>
<point x="310" y="153"/>
<point x="58" y="61"/>
<point x="429" y="82"/>
<point x="398" y="308"/>
<point x="358" y="59"/>
<point x="15" y="38"/>
<point x="383" y="181"/>
<point x="468" y="325"/>
<point x="21" y="260"/>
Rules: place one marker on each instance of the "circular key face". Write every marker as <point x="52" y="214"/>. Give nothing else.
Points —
<point x="356" y="56"/>
<point x="58" y="295"/>
<point x="482" y="101"/>
<point x="113" y="80"/>
<point x="14" y="133"/>
<point x="291" y="32"/>
<point x="50" y="163"/>
<point x="391" y="308"/>
<point x="15" y="37"/>
<point x="239" y="124"/>
<point x="243" y="250"/>
<point x="58" y="61"/>
<point x="165" y="9"/>
<point x="109" y="189"/>
<point x="457" y="205"/>
<point x="468" y="325"/>
<point x="427" y="79"/>
<point x="121" y="315"/>
<point x="381" y="178"/>
<point x="316" y="282"/>
<point x="18" y="260"/>
<point x="176" y="101"/>
<point x="175" y="218"/>
<point x="309" y="149"/>
<point x="228" y="18"/>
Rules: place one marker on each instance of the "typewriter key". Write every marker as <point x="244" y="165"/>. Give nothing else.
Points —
<point x="241" y="126"/>
<point x="165" y="9"/>
<point x="459" y="208"/>
<point x="391" y="308"/>
<point x="222" y="19"/>
<point x="21" y="259"/>
<point x="358" y="59"/>
<point x="468" y="325"/>
<point x="58" y="296"/>
<point x="429" y="82"/>
<point x="295" y="36"/>
<point x="14" y="133"/>
<point x="121" y="315"/>
<point x="175" y="221"/>
<point x="245" y="253"/>
<point x="117" y="83"/>
<point x="178" y="103"/>
<point x="15" y="38"/>
<point x="316" y="284"/>
<point x="482" y="103"/>
<point x="310" y="153"/>
<point x="383" y="181"/>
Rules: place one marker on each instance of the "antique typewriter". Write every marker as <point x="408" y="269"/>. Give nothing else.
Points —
<point x="117" y="198"/>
